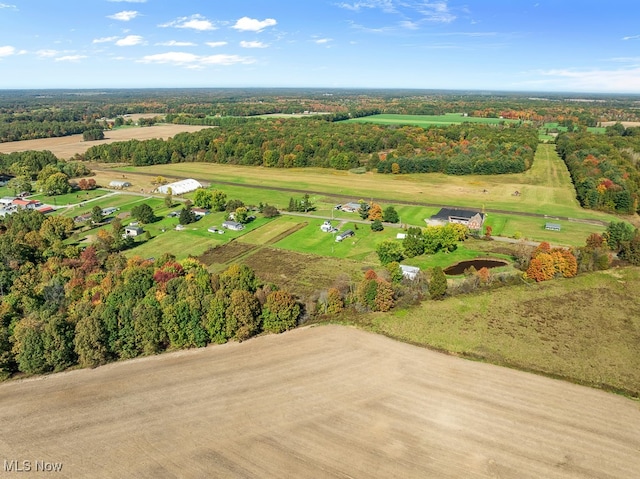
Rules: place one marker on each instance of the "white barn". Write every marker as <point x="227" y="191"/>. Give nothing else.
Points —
<point x="179" y="187"/>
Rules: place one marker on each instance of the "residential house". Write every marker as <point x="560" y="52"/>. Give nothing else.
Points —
<point x="471" y="219"/>
<point x="233" y="225"/>
<point x="350" y="207"/>
<point x="326" y="227"/>
<point x="199" y="212"/>
<point x="26" y="204"/>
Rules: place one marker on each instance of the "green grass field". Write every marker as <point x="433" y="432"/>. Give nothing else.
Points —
<point x="426" y="121"/>
<point x="544" y="189"/>
<point x="361" y="247"/>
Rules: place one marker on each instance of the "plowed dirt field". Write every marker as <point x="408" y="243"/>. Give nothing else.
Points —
<point x="320" y="402"/>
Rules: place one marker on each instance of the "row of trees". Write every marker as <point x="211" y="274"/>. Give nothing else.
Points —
<point x="604" y="169"/>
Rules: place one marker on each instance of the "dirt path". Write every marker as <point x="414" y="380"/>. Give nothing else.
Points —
<point x="323" y="402"/>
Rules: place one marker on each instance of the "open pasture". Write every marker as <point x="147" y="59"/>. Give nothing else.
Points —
<point x="426" y="121"/>
<point x="545" y="189"/>
<point x="584" y="329"/>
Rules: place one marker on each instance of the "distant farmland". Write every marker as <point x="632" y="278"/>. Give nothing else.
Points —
<point x="428" y="120"/>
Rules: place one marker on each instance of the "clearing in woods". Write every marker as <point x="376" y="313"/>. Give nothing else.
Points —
<point x="321" y="402"/>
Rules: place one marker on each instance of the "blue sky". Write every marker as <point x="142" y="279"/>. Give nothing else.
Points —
<point x="487" y="45"/>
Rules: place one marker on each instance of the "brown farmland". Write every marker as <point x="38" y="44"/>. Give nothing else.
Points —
<point x="318" y="402"/>
<point x="67" y="146"/>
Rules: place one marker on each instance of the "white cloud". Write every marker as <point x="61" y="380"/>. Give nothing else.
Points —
<point x="6" y="5"/>
<point x="104" y="39"/>
<point x="226" y="60"/>
<point x="47" y="53"/>
<point x="124" y="16"/>
<point x="177" y="58"/>
<point x="322" y="41"/>
<point x="409" y="25"/>
<point x="7" y="51"/>
<point x="245" y="44"/>
<point x="195" y="22"/>
<point x="246" y="24"/>
<point x="621" y="81"/>
<point x="436" y="12"/>
<point x="631" y="37"/>
<point x="195" y="61"/>
<point x="130" y="40"/>
<point x="384" y="5"/>
<point x="216" y="44"/>
<point x="174" y="43"/>
<point x="70" y="58"/>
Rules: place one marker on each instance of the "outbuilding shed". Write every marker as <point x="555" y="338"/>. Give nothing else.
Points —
<point x="119" y="184"/>
<point x="179" y="187"/>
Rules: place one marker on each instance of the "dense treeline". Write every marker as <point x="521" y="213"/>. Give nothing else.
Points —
<point x="314" y="142"/>
<point x="604" y="168"/>
<point x="20" y="123"/>
<point x="27" y="166"/>
<point x="469" y="149"/>
<point x="27" y="114"/>
<point x="63" y="306"/>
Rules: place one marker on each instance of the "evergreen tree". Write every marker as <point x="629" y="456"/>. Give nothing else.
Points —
<point x="437" y="283"/>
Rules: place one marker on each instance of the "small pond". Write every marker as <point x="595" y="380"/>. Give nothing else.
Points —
<point x="460" y="267"/>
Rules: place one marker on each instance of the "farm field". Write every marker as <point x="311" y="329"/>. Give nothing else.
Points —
<point x="426" y="121"/>
<point x="321" y="402"/>
<point x="545" y="189"/>
<point x="67" y="146"/>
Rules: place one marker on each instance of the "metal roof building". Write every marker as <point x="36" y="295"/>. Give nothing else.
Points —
<point x="179" y="187"/>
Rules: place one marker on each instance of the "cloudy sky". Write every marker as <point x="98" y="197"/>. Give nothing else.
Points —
<point x="488" y="45"/>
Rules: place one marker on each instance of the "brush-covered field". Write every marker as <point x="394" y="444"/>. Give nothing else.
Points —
<point x="585" y="329"/>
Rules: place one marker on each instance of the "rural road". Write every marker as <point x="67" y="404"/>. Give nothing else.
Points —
<point x="321" y="402"/>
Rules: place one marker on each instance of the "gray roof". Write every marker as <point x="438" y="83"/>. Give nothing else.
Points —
<point x="446" y="213"/>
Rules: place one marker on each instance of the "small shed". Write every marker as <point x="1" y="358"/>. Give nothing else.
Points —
<point x="409" y="272"/>
<point x="118" y="184"/>
<point x="552" y="227"/>
<point x="344" y="235"/>
<point x="133" y="231"/>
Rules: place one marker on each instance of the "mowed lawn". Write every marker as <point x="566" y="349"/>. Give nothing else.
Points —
<point x="545" y="189"/>
<point x="311" y="239"/>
